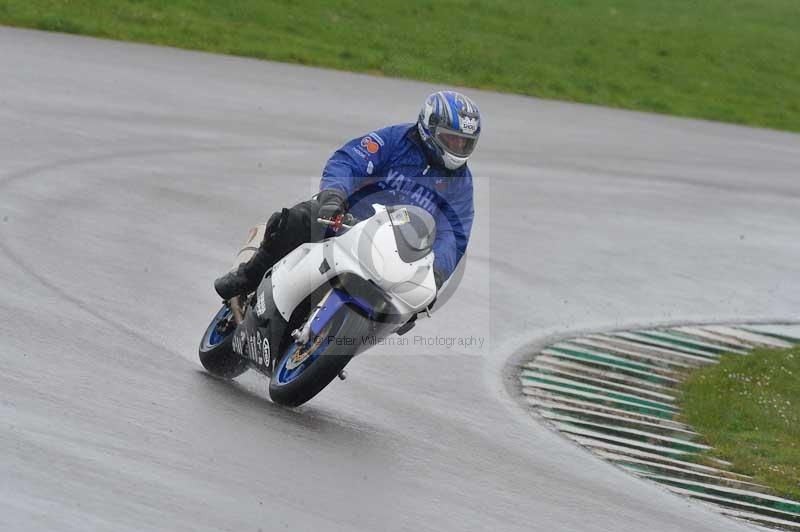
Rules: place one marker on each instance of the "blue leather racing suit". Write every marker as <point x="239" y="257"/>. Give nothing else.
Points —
<point x="390" y="166"/>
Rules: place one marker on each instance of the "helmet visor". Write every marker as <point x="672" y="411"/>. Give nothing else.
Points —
<point x="455" y="142"/>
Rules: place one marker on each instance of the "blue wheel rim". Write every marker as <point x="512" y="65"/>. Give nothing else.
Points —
<point x="213" y="337"/>
<point x="284" y="375"/>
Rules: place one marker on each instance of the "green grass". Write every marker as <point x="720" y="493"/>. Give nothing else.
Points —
<point x="748" y="408"/>
<point x="729" y="60"/>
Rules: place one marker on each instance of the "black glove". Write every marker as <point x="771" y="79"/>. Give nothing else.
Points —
<point x="331" y="203"/>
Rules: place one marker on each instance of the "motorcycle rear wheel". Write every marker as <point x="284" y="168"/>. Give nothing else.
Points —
<point x="216" y="349"/>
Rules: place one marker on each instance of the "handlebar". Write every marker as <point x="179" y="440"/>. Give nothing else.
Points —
<point x="346" y="221"/>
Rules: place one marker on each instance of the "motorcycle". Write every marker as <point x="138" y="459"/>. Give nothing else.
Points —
<point x="326" y="302"/>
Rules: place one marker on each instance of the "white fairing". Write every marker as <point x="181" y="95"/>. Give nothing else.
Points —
<point x="368" y="250"/>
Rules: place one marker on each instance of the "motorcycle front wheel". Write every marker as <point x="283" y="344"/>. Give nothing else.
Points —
<point x="304" y="370"/>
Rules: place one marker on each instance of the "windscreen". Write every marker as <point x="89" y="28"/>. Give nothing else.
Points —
<point x="414" y="231"/>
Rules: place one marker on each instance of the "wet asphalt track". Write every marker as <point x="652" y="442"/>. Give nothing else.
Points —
<point x="128" y="176"/>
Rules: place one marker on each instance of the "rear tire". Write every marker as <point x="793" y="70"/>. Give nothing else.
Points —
<point x="216" y="350"/>
<point x="324" y="363"/>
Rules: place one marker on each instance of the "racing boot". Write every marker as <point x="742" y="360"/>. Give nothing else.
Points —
<point x="233" y="283"/>
<point x="246" y="277"/>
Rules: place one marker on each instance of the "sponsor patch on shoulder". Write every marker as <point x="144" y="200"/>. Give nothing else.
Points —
<point x="370" y="145"/>
<point x="377" y="138"/>
<point x="360" y="153"/>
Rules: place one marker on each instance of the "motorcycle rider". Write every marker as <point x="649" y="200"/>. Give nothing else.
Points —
<point x="423" y="164"/>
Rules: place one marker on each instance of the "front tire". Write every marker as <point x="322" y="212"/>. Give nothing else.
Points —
<point x="301" y="373"/>
<point x="216" y="348"/>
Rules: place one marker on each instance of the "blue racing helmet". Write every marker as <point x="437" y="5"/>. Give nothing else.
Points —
<point x="449" y="125"/>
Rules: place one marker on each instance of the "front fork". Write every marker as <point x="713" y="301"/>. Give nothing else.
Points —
<point x="303" y="335"/>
